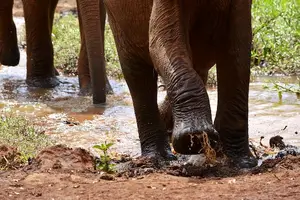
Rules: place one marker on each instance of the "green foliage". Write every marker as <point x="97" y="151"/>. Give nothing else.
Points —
<point x="212" y="77"/>
<point x="104" y="163"/>
<point x="276" y="35"/>
<point x="16" y="131"/>
<point x="66" y="42"/>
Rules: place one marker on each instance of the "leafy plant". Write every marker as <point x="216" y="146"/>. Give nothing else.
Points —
<point x="283" y="87"/>
<point x="104" y="163"/>
<point x="17" y="131"/>
<point x="276" y="36"/>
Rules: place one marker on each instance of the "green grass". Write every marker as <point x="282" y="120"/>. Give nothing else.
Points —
<point x="66" y="44"/>
<point x="17" y="131"/>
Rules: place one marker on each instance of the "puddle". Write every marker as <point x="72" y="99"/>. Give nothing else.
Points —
<point x="74" y="121"/>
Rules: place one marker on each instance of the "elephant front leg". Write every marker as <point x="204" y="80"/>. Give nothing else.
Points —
<point x="186" y="91"/>
<point x="83" y="63"/>
<point x="38" y="19"/>
<point x="9" y="51"/>
<point x="233" y="73"/>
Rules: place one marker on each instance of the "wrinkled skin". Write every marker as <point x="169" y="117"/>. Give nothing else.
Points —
<point x="39" y="20"/>
<point x="180" y="41"/>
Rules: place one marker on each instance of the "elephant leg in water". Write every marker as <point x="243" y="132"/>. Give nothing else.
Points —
<point x="83" y="61"/>
<point x="38" y="21"/>
<point x="40" y="71"/>
<point x="181" y="40"/>
<point x="9" y="51"/>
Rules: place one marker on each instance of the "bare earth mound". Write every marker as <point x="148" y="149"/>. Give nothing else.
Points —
<point x="59" y="172"/>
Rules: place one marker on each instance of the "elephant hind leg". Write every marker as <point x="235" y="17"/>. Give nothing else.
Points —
<point x="84" y="73"/>
<point x="142" y="82"/>
<point x="83" y="69"/>
<point x="233" y="74"/>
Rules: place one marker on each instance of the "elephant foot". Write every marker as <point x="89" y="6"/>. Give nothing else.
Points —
<point x="158" y="154"/>
<point x="241" y="161"/>
<point x="49" y="82"/>
<point x="11" y="57"/>
<point x="190" y="139"/>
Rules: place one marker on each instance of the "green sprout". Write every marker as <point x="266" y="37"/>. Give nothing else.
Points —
<point x="104" y="163"/>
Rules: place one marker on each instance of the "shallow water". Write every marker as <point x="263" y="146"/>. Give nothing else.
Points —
<point x="74" y="121"/>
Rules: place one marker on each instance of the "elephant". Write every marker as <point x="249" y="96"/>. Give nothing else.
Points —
<point x="180" y="41"/>
<point x="39" y="20"/>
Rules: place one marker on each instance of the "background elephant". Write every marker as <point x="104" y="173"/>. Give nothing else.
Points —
<point x="9" y="51"/>
<point x="39" y="20"/>
<point x="181" y="41"/>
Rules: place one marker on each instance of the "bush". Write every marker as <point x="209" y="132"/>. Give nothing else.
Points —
<point x="276" y="36"/>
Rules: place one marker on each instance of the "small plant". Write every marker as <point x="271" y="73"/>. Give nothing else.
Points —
<point x="104" y="163"/>
<point x="282" y="87"/>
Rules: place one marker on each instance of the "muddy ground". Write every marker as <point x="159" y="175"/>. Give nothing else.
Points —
<point x="63" y="173"/>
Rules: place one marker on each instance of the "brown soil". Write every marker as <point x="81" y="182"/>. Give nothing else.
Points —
<point x="63" y="5"/>
<point x="59" y="172"/>
<point x="63" y="173"/>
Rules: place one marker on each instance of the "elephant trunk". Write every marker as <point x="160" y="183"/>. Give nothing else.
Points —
<point x="169" y="50"/>
<point x="92" y="14"/>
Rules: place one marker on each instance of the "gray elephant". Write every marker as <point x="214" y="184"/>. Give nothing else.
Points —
<point x="180" y="41"/>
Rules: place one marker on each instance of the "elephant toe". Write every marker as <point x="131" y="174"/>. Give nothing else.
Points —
<point x="159" y="152"/>
<point x="155" y="156"/>
<point x="243" y="162"/>
<point x="188" y="141"/>
<point x="49" y="82"/>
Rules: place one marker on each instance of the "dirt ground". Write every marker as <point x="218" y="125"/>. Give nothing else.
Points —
<point x="69" y="174"/>
<point x="60" y="172"/>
